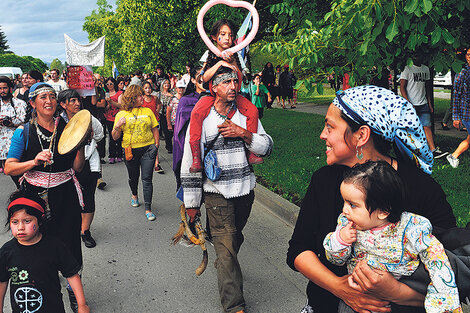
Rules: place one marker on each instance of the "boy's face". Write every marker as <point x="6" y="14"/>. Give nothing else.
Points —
<point x="25" y="228"/>
<point x="356" y="210"/>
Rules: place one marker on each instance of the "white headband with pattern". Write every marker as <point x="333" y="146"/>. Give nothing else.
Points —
<point x="223" y="77"/>
<point x="40" y="90"/>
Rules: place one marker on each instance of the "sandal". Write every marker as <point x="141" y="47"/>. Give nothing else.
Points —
<point x="150" y="216"/>
<point x="292" y="106"/>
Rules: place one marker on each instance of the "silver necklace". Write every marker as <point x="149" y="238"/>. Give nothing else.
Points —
<point x="48" y="139"/>
<point x="40" y="134"/>
<point x="228" y="112"/>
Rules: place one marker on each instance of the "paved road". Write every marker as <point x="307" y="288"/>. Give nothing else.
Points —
<point x="134" y="268"/>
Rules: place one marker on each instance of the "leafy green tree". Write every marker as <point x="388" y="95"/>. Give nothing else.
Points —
<point x="56" y="63"/>
<point x="3" y="42"/>
<point x="104" y="22"/>
<point x="26" y="63"/>
<point x="142" y="34"/>
<point x="356" y="36"/>
<point x="39" y="65"/>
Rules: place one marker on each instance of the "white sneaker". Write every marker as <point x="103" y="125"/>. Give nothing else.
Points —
<point x="453" y="161"/>
<point x="307" y="309"/>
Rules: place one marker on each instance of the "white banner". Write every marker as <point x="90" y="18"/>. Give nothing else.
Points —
<point x="89" y="54"/>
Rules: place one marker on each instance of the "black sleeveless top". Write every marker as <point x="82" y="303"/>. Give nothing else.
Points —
<point x="61" y="162"/>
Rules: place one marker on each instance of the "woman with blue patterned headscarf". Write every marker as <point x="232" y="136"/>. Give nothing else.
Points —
<point x="363" y="123"/>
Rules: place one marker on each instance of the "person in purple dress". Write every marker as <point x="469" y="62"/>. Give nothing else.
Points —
<point x="183" y="114"/>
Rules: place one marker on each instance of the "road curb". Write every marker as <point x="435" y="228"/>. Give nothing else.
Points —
<point x="279" y="206"/>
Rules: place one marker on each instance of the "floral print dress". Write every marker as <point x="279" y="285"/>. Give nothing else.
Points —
<point x="397" y="248"/>
<point x="15" y="110"/>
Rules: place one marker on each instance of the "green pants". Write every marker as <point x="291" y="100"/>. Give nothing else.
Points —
<point x="227" y="218"/>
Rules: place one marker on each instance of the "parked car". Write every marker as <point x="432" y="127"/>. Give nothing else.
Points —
<point x="10" y="72"/>
<point x="443" y="80"/>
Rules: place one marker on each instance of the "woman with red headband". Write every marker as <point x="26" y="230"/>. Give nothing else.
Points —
<point x="31" y="261"/>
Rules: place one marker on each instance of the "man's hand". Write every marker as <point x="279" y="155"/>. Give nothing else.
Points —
<point x="348" y="233"/>
<point x="231" y="130"/>
<point x="456" y="124"/>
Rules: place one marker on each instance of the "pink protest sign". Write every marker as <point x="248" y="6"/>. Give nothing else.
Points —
<point x="79" y="77"/>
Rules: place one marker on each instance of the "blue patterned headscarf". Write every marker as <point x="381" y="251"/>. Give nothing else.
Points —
<point x="391" y="117"/>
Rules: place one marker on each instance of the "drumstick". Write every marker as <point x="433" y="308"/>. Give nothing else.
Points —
<point x="52" y="137"/>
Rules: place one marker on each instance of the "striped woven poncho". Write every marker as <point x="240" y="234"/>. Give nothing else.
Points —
<point x="237" y="178"/>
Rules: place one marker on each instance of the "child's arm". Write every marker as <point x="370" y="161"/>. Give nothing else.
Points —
<point x="442" y="294"/>
<point x="211" y="71"/>
<point x="76" y="283"/>
<point x="3" y="291"/>
<point x="336" y="250"/>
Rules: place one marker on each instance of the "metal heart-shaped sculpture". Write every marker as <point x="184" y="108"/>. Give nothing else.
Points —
<point x="233" y="4"/>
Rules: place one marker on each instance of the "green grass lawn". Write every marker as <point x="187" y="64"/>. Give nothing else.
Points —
<point x="440" y="105"/>
<point x="298" y="152"/>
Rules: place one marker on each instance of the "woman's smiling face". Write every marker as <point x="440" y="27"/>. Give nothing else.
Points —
<point x="45" y="104"/>
<point x="335" y="134"/>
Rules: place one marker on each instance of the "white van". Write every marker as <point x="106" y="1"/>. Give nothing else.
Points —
<point x="10" y="72"/>
<point x="443" y="80"/>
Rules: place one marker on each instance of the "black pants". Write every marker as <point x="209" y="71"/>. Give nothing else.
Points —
<point x="101" y="145"/>
<point x="168" y="133"/>
<point x="88" y="180"/>
<point x="115" y="149"/>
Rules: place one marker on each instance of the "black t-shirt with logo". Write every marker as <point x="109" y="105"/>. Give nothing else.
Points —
<point x="33" y="274"/>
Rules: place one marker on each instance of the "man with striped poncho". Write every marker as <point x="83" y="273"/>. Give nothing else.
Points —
<point x="228" y="199"/>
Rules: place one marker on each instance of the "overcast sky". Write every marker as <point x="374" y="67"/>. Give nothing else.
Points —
<point x="37" y="27"/>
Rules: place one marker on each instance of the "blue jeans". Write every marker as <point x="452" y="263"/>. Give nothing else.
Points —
<point x="424" y="115"/>
<point x="143" y="158"/>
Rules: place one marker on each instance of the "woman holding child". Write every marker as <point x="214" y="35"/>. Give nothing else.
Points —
<point x="361" y="124"/>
